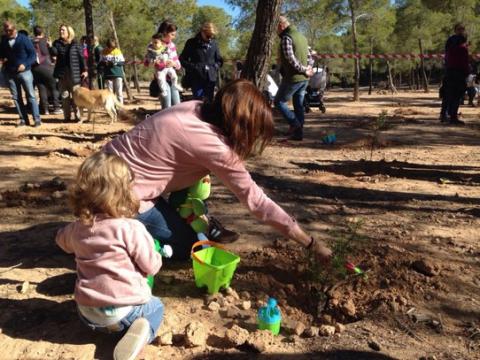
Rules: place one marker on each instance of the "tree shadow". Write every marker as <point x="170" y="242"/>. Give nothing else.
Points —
<point x="37" y="319"/>
<point x="78" y="136"/>
<point x="21" y="152"/>
<point x="366" y="196"/>
<point x="398" y="169"/>
<point x="343" y="354"/>
<point x="34" y="247"/>
<point x="356" y="131"/>
<point x="58" y="285"/>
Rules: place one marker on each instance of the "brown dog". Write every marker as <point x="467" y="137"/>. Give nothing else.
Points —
<point x="96" y="99"/>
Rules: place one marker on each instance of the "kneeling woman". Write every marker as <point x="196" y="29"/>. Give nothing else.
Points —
<point x="176" y="147"/>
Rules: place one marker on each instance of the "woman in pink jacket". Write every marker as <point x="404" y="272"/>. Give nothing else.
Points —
<point x="176" y="147"/>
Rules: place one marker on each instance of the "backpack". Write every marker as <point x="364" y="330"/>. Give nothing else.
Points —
<point x="41" y="58"/>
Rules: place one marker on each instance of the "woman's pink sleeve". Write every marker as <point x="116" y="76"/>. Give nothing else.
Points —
<point x="232" y="172"/>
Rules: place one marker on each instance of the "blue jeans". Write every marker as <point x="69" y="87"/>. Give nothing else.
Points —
<point x="152" y="311"/>
<point x="286" y="91"/>
<point x="171" y="98"/>
<point x="165" y="224"/>
<point x="203" y="89"/>
<point x="16" y="82"/>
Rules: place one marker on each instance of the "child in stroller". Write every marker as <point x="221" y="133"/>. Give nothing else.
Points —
<point x="315" y="90"/>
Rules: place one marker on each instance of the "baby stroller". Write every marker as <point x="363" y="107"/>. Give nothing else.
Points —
<point x="315" y="90"/>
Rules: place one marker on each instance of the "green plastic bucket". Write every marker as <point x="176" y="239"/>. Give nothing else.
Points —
<point x="213" y="267"/>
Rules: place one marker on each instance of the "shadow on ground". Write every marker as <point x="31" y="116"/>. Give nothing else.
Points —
<point x="324" y="355"/>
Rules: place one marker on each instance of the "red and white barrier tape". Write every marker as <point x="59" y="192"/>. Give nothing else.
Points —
<point x="410" y="56"/>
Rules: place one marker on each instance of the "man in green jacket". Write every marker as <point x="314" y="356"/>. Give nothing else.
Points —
<point x="296" y="67"/>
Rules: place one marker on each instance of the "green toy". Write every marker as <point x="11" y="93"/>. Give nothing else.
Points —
<point x="213" y="266"/>
<point x="190" y="204"/>
<point x="166" y="251"/>
<point x="269" y="317"/>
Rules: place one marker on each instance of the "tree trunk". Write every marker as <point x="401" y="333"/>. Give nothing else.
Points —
<point x="115" y="36"/>
<point x="260" y="48"/>
<point x="92" y="67"/>
<point x="422" y="66"/>
<point x="417" y="78"/>
<point x="410" y="79"/>
<point x="370" y="66"/>
<point x="391" y="86"/>
<point x="135" y="74"/>
<point x="356" y="86"/>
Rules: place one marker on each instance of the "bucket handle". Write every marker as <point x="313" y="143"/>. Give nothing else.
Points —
<point x="204" y="242"/>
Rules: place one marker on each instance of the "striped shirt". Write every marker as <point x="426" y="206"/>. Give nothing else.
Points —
<point x="165" y="53"/>
<point x="287" y="49"/>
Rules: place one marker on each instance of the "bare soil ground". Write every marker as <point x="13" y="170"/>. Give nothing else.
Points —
<point x="407" y="212"/>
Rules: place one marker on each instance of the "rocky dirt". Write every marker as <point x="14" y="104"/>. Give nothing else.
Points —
<point x="406" y="211"/>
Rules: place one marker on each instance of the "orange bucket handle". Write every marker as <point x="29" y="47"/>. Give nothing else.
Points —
<point x="204" y="242"/>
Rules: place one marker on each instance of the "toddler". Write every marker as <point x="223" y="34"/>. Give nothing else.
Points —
<point x="114" y="253"/>
<point x="160" y="53"/>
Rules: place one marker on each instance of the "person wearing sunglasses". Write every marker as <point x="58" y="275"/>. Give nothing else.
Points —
<point x="202" y="60"/>
<point x="18" y="54"/>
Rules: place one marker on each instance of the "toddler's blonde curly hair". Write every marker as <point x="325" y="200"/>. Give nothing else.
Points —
<point x="103" y="186"/>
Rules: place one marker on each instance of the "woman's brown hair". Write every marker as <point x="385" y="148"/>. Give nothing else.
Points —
<point x="166" y="27"/>
<point x="103" y="186"/>
<point x="243" y="115"/>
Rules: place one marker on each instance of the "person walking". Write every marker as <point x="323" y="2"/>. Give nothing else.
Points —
<point x="18" y="54"/>
<point x="202" y="60"/>
<point x="456" y="71"/>
<point x="43" y="73"/>
<point x="162" y="53"/>
<point x="296" y="67"/>
<point x="112" y="61"/>
<point x="70" y="68"/>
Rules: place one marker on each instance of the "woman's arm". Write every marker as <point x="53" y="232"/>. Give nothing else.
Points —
<point x="173" y="57"/>
<point x="54" y="49"/>
<point x="218" y="57"/>
<point x="231" y="171"/>
<point x="186" y="56"/>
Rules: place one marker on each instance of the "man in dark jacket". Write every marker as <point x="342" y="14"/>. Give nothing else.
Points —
<point x="296" y="67"/>
<point x="18" y="54"/>
<point x="457" y="69"/>
<point x="201" y="59"/>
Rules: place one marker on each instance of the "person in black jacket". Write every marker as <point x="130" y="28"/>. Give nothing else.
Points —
<point x="70" y="68"/>
<point x="201" y="59"/>
<point x="43" y="72"/>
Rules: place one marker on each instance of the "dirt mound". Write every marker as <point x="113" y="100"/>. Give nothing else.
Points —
<point x="35" y="194"/>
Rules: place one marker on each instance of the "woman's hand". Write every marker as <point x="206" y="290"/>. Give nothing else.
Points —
<point x="169" y="63"/>
<point x="317" y="247"/>
<point x="321" y="250"/>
